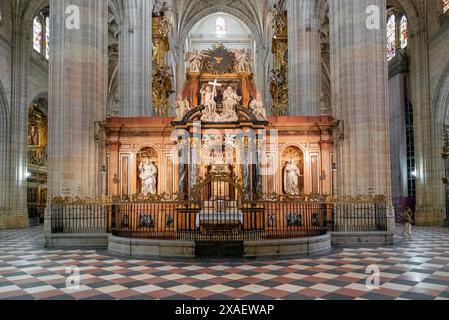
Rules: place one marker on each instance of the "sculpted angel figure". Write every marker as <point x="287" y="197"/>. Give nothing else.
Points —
<point x="182" y="108"/>
<point x="194" y="60"/>
<point x="258" y="108"/>
<point x="243" y="58"/>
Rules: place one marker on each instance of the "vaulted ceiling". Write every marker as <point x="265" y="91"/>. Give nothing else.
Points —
<point x="254" y="13"/>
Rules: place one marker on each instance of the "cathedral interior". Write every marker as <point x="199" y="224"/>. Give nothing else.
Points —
<point x="226" y="129"/>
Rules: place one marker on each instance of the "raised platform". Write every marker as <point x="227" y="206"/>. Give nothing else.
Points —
<point x="381" y="238"/>
<point x="140" y="248"/>
<point x="288" y="247"/>
<point x="61" y="241"/>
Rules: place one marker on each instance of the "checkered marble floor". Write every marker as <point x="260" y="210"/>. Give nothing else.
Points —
<point x="415" y="268"/>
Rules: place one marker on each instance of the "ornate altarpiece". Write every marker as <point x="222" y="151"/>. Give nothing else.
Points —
<point x="189" y="151"/>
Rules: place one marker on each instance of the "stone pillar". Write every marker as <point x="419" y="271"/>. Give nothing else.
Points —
<point x="135" y="59"/>
<point x="360" y="103"/>
<point x="7" y="219"/>
<point x="359" y="83"/>
<point x="398" y="136"/>
<point x="304" y="58"/>
<point x="14" y="196"/>
<point x="77" y="99"/>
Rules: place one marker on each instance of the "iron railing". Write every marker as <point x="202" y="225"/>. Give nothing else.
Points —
<point x="81" y="218"/>
<point x="219" y="220"/>
<point x="359" y="217"/>
<point x="188" y="221"/>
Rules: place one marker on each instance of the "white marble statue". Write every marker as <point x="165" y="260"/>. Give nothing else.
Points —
<point x="182" y="108"/>
<point x="194" y="60"/>
<point x="291" y="178"/>
<point x="258" y="108"/>
<point x="208" y="95"/>
<point x="148" y="175"/>
<point x="243" y="58"/>
<point x="230" y="102"/>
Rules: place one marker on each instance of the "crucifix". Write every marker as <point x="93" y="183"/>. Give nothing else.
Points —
<point x="215" y="84"/>
<point x="205" y="96"/>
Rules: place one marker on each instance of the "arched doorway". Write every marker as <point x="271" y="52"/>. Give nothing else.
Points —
<point x="37" y="142"/>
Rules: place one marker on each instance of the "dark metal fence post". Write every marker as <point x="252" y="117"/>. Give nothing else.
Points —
<point x="114" y="217"/>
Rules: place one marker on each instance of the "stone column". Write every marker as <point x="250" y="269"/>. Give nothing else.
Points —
<point x="7" y="220"/>
<point x="77" y="99"/>
<point x="359" y="83"/>
<point x="360" y="103"/>
<point x="135" y="59"/>
<point x="398" y="137"/>
<point x="304" y="58"/>
<point x="14" y="196"/>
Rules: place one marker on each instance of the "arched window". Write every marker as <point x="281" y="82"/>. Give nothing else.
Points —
<point x="403" y="26"/>
<point x="47" y="38"/>
<point x="445" y="5"/>
<point x="397" y="33"/>
<point x="37" y="34"/>
<point x="391" y="37"/>
<point x="220" y="29"/>
<point x="41" y="34"/>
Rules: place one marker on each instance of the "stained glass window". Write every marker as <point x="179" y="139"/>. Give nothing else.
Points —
<point x="391" y="37"/>
<point x="47" y="38"/>
<point x="220" y="27"/>
<point x="41" y="34"/>
<point x="404" y="31"/>
<point x="445" y="5"/>
<point x="1" y="12"/>
<point x="37" y="34"/>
